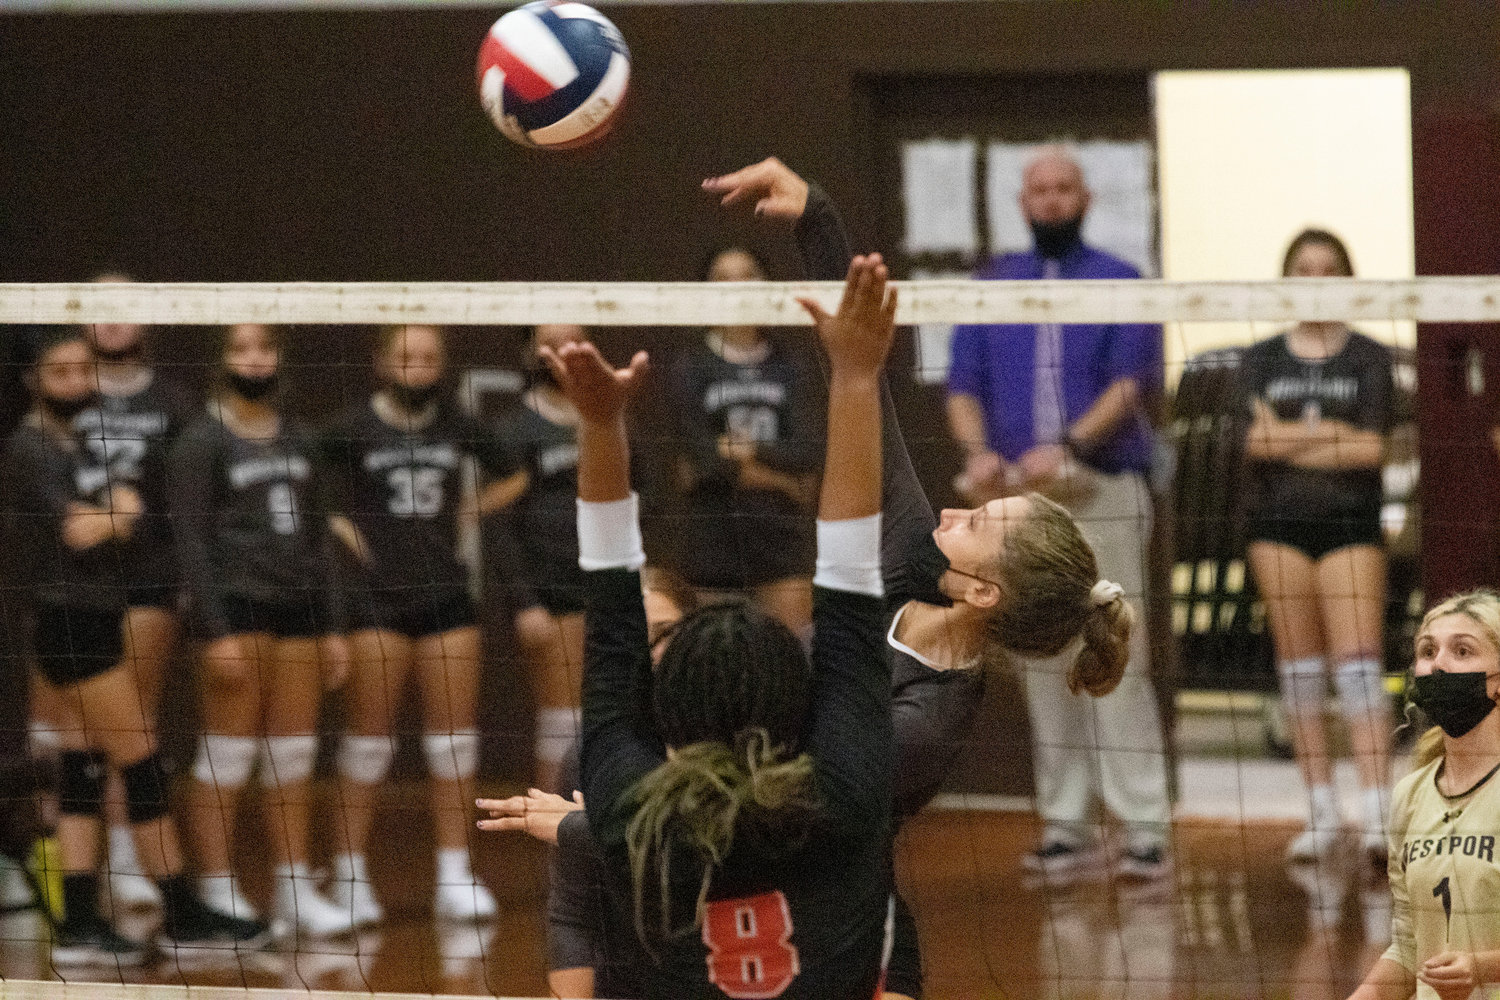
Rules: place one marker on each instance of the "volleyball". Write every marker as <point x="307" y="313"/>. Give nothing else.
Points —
<point x="553" y="74"/>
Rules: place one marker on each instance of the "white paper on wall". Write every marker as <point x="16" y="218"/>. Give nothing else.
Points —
<point x="934" y="341"/>
<point x="937" y="177"/>
<point x="1122" y="214"/>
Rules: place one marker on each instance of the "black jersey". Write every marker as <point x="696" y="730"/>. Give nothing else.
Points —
<point x="403" y="488"/>
<point x="1354" y="386"/>
<point x="776" y="404"/>
<point x="131" y="434"/>
<point x="545" y="517"/>
<point x="42" y="477"/>
<point x="251" y="521"/>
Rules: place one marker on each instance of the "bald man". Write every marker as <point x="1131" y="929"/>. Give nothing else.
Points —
<point x="1059" y="409"/>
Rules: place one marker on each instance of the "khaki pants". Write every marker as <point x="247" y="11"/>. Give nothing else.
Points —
<point x="1108" y="749"/>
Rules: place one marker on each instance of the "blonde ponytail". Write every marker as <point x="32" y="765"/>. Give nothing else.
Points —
<point x="1106" y="648"/>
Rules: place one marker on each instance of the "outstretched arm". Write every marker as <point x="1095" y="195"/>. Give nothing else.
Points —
<point x="779" y="193"/>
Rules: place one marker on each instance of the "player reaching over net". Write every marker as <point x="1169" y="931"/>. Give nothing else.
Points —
<point x="740" y="794"/>
<point x="398" y="459"/>
<point x="937" y="682"/>
<point x="1445" y="816"/>
<point x="249" y="507"/>
<point x="70" y="524"/>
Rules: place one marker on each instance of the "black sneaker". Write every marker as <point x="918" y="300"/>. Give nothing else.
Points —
<point x="94" y="942"/>
<point x="1054" y="857"/>
<point x="195" y="925"/>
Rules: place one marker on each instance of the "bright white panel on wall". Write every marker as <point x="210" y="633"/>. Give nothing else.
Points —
<point x="1247" y="159"/>
<point x="1122" y="212"/>
<point x="937" y="181"/>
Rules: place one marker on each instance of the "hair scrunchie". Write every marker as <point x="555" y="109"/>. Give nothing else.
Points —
<point x="1104" y="592"/>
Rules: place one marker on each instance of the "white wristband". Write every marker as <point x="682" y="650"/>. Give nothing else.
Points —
<point x="849" y="555"/>
<point x="609" y="534"/>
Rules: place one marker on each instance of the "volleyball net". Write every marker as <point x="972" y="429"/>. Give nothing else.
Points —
<point x="1207" y="629"/>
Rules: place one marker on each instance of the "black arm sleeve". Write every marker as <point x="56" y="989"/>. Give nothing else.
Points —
<point x="908" y="521"/>
<point x="619" y="744"/>
<point x="931" y="712"/>
<point x="193" y="472"/>
<point x="574" y="933"/>
<point x="850" y="740"/>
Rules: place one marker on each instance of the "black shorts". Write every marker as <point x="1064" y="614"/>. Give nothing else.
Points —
<point x="73" y="644"/>
<point x="152" y="580"/>
<point x="281" y="619"/>
<point x="1316" y="537"/>
<point x="557" y="584"/>
<point x="730" y="543"/>
<point x="415" y="612"/>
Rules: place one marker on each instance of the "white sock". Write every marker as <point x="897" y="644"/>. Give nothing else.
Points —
<point x="351" y="868"/>
<point x="1375" y="804"/>
<point x="122" y="857"/>
<point x="1325" y="807"/>
<point x="453" y="866"/>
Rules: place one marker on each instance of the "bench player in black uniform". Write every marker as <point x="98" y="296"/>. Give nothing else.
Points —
<point x="749" y="414"/>
<point x="250" y="513"/>
<point x="1317" y="403"/>
<point x="137" y="418"/>
<point x="398" y="461"/>
<point x="541" y="436"/>
<point x="741" y="800"/>
<point x="937" y="677"/>
<point x="71" y="525"/>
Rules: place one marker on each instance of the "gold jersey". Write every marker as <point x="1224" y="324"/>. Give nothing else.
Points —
<point x="1445" y="884"/>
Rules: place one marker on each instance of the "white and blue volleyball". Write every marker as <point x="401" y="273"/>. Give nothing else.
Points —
<point x="553" y="74"/>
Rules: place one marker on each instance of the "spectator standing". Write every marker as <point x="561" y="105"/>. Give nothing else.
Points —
<point x="1061" y="410"/>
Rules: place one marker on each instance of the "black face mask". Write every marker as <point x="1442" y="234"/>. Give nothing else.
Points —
<point x="1457" y="702"/>
<point x="132" y="353"/>
<point x="251" y="388"/>
<point x="920" y="577"/>
<point x="66" y="409"/>
<point x="1055" y="239"/>
<point x="414" y="397"/>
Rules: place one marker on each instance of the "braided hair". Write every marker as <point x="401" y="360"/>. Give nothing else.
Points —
<point x="731" y="699"/>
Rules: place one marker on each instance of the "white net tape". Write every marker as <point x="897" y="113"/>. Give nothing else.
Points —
<point x="1430" y="300"/>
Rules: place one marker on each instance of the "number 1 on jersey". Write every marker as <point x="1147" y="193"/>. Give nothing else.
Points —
<point x="750" y="954"/>
<point x="1442" y="891"/>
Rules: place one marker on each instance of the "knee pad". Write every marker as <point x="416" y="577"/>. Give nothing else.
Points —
<point x="365" y="759"/>
<point x="291" y="758"/>
<point x="1361" y="690"/>
<point x="80" y="787"/>
<point x="1303" y="686"/>
<point x="225" y="761"/>
<point x="145" y="784"/>
<point x="452" y="756"/>
<point x="556" y="730"/>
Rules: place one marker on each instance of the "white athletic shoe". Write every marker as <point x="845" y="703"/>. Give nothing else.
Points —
<point x="132" y="891"/>
<point x="472" y="902"/>
<point x="300" y="908"/>
<point x="222" y="893"/>
<point x="355" y="897"/>
<point x="1313" y="843"/>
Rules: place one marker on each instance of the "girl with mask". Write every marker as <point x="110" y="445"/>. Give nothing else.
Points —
<point x="136" y="419"/>
<point x="1445" y="816"/>
<point x="72" y="525"/>
<point x="750" y="419"/>
<point x="397" y="461"/>
<point x="256" y="557"/>
<point x="542" y="438"/>
<point x="1317" y="403"/>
